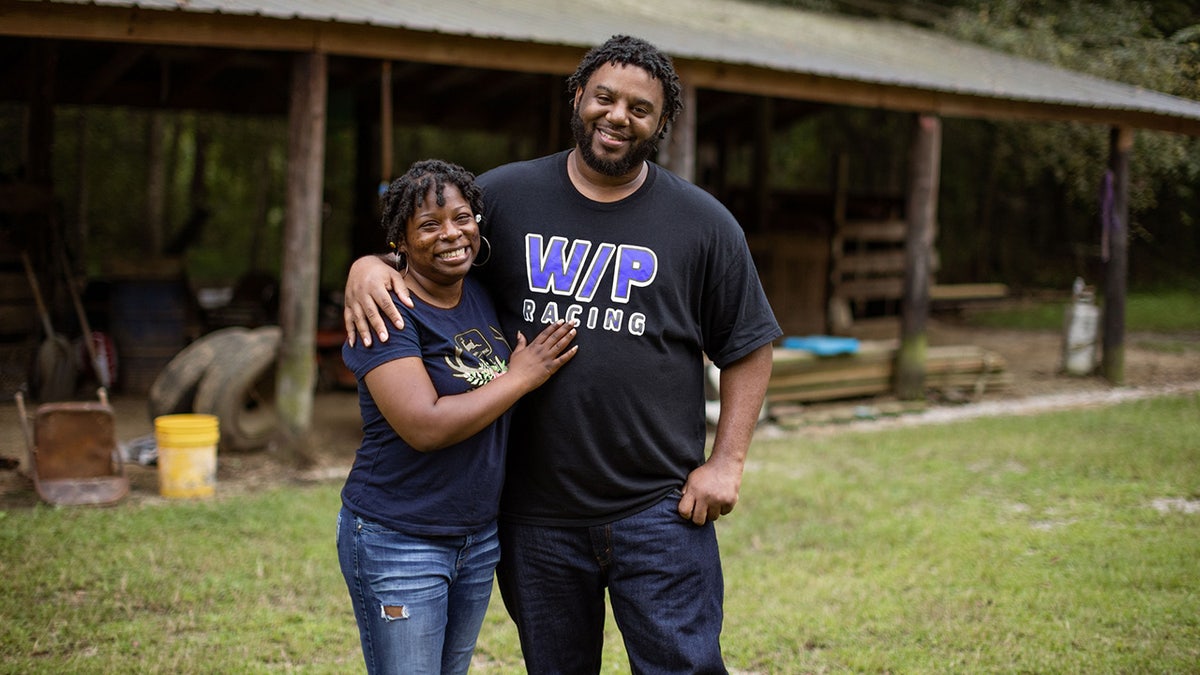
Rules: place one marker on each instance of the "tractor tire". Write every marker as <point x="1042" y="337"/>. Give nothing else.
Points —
<point x="239" y="388"/>
<point x="174" y="390"/>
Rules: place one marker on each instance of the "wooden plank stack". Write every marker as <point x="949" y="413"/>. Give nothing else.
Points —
<point x="798" y="376"/>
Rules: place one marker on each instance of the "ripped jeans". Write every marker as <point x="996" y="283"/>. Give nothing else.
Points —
<point x="419" y="601"/>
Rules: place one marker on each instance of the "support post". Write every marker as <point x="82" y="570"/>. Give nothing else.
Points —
<point x="681" y="138"/>
<point x="365" y="235"/>
<point x="552" y="139"/>
<point x="385" y="123"/>
<point x="1116" y="260"/>
<point x="760" y="178"/>
<point x="925" y="172"/>
<point x="156" y="184"/>
<point x="296" y="374"/>
<point x="39" y="132"/>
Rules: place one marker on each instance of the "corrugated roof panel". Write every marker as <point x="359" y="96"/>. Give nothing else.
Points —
<point x="735" y="32"/>
<point x="884" y="52"/>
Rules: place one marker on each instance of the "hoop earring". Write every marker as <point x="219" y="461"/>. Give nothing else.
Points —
<point x="489" y="253"/>
<point x="403" y="272"/>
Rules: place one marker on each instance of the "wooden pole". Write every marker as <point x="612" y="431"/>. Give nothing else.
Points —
<point x="555" y="118"/>
<point x="918" y="253"/>
<point x="838" y="316"/>
<point x="760" y="179"/>
<point x="366" y="237"/>
<point x="385" y="123"/>
<point x="1116" y="267"/>
<point x="296" y="374"/>
<point x="156" y="183"/>
<point x="681" y="138"/>
<point x="81" y="228"/>
<point x="39" y="132"/>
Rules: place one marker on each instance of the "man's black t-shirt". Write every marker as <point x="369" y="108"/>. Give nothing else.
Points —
<point x="654" y="281"/>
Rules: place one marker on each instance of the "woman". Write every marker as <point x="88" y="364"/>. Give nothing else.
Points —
<point x="417" y="530"/>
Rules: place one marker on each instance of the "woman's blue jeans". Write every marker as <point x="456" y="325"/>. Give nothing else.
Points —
<point x="663" y="575"/>
<point x="419" y="601"/>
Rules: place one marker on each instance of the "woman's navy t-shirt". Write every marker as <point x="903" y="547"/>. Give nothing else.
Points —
<point x="455" y="490"/>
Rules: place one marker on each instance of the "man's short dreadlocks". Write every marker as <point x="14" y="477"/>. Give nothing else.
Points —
<point x="408" y="192"/>
<point x="631" y="51"/>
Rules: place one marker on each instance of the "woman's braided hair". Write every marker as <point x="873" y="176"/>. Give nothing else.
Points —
<point x="408" y="192"/>
<point x="631" y="51"/>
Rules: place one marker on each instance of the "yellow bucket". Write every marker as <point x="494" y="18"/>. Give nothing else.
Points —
<point x="187" y="454"/>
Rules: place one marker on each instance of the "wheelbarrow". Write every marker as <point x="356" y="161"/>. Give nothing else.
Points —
<point x="72" y="452"/>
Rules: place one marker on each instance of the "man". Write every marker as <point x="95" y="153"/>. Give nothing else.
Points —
<point x="607" y="485"/>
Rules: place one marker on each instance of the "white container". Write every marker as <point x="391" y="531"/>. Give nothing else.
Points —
<point x="1080" y="325"/>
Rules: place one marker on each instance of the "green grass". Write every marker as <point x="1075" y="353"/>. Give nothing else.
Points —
<point x="1020" y="544"/>
<point x="1163" y="312"/>
<point x="1002" y="545"/>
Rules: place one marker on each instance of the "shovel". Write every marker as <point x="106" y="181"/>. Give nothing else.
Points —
<point x="55" y="368"/>
<point x="99" y="367"/>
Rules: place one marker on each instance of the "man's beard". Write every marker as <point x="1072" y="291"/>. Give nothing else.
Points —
<point x="632" y="159"/>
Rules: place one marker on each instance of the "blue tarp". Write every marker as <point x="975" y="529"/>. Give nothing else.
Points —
<point x="822" y="345"/>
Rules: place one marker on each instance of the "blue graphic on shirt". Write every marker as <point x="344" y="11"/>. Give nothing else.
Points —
<point x="563" y="268"/>
<point x="557" y="266"/>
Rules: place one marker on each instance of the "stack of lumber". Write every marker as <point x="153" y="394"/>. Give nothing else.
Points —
<point x="798" y="376"/>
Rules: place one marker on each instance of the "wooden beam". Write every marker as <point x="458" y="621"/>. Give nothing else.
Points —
<point x="296" y="374"/>
<point x="112" y="70"/>
<point x="876" y="230"/>
<point x="963" y="292"/>
<point x="681" y="138"/>
<point x="925" y="172"/>
<point x="876" y="263"/>
<point x="156" y="182"/>
<point x="194" y="86"/>
<point x="838" y="316"/>
<point x="869" y="288"/>
<point x="386" y="150"/>
<point x="39" y="137"/>
<point x="801" y="377"/>
<point x="810" y="87"/>
<point x="139" y="25"/>
<point x="1115" y="214"/>
<point x="760" y="166"/>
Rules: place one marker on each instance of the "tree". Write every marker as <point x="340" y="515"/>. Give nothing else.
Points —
<point x="1019" y="200"/>
<point x="1156" y="46"/>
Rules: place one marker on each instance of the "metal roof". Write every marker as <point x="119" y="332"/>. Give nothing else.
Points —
<point x="735" y="32"/>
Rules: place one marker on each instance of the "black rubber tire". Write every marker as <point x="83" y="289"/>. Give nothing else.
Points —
<point x="174" y="390"/>
<point x="239" y="388"/>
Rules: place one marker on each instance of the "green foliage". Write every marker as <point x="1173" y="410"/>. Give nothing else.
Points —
<point x="243" y="161"/>
<point x="1019" y="201"/>
<point x="242" y="189"/>
<point x="1046" y="177"/>
<point x="1062" y="542"/>
<point x="1116" y="41"/>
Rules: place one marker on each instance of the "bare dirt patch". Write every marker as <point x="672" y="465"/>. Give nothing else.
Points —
<point x="1154" y="365"/>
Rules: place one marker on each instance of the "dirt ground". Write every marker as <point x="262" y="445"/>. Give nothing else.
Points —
<point x="1154" y="364"/>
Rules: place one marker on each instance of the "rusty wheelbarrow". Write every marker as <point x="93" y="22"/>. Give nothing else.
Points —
<point x="72" y="452"/>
